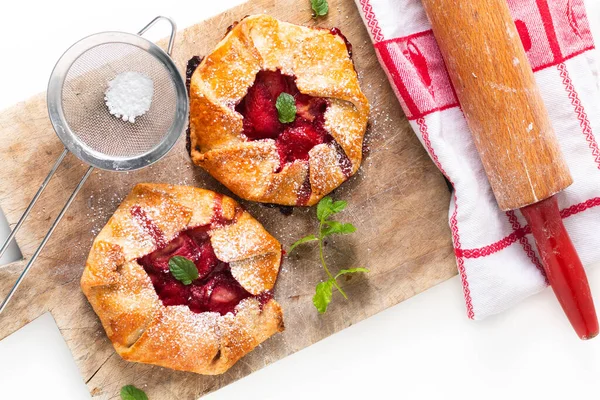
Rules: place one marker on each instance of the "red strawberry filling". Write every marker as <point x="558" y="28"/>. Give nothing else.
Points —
<point x="215" y="289"/>
<point x="261" y="119"/>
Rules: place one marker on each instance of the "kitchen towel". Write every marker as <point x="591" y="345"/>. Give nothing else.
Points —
<point x="495" y="251"/>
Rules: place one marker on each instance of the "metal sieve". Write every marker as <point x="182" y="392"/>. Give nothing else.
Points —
<point x="83" y="123"/>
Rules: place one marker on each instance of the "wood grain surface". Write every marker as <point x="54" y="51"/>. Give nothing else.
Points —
<point x="500" y="99"/>
<point x="398" y="201"/>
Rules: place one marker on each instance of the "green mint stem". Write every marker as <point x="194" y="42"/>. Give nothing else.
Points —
<point x="325" y="264"/>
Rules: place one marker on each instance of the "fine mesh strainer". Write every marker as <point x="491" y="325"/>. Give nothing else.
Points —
<point x="83" y="123"/>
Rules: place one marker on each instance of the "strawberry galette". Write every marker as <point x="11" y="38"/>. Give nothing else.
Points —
<point x="182" y="277"/>
<point x="276" y="113"/>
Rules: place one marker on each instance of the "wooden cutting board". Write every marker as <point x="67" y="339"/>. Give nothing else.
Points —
<point x="398" y="201"/>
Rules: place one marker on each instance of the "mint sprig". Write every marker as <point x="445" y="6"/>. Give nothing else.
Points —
<point x="286" y="108"/>
<point x="130" y="392"/>
<point x="327" y="227"/>
<point x="183" y="269"/>
<point x="305" y="239"/>
<point x="320" y="7"/>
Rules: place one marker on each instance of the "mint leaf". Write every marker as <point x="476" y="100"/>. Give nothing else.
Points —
<point x="328" y="207"/>
<point x="320" y="7"/>
<point x="286" y="108"/>
<point x="130" y="392"/>
<point x="183" y="269"/>
<point x="323" y="294"/>
<point x="306" y="239"/>
<point x="337" y="228"/>
<point x="324" y="208"/>
<point x="351" y="271"/>
<point x="338" y="206"/>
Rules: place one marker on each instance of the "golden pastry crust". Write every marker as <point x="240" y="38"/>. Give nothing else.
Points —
<point x="323" y="68"/>
<point x="140" y="327"/>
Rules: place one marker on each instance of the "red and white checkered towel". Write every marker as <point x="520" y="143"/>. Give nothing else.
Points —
<point x="495" y="251"/>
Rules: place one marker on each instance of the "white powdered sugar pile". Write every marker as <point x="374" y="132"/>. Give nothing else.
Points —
<point x="129" y="95"/>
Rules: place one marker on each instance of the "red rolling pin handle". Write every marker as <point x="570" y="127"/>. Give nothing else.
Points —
<point x="563" y="266"/>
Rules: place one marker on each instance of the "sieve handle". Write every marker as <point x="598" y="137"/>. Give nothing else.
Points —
<point x="10" y="237"/>
<point x="173" y="31"/>
<point x="45" y="240"/>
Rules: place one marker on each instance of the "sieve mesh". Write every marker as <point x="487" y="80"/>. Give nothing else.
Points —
<point x="87" y="115"/>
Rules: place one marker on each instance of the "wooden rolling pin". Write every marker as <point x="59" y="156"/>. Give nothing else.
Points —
<point x="513" y="135"/>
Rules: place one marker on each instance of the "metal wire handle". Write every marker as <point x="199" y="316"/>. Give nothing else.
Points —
<point x="32" y="203"/>
<point x="60" y="159"/>
<point x="173" y="31"/>
<point x="45" y="240"/>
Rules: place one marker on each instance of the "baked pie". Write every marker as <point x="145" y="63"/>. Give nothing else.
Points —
<point x="235" y="131"/>
<point x="150" y="316"/>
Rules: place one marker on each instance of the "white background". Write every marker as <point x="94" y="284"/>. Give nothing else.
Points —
<point x="422" y="348"/>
